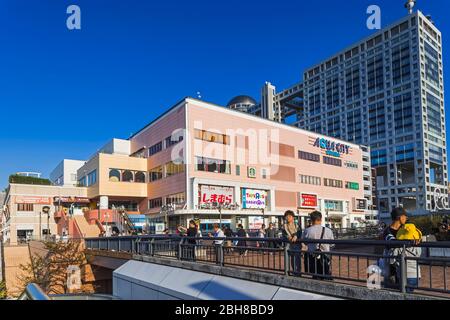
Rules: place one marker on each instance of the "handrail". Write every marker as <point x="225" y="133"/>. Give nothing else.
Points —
<point x="381" y="243"/>
<point x="33" y="292"/>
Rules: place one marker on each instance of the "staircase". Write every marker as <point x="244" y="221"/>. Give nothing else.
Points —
<point x="86" y="229"/>
<point x="127" y="223"/>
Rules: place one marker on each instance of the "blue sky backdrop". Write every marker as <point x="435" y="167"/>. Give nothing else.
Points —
<point x="64" y="93"/>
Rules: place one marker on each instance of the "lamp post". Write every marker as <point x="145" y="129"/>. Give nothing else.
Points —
<point x="46" y="210"/>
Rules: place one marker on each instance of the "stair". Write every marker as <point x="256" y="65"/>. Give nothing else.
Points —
<point x="87" y="230"/>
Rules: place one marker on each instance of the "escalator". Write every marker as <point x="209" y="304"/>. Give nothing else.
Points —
<point x="127" y="225"/>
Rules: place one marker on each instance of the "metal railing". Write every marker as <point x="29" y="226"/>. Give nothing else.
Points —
<point x="33" y="292"/>
<point x="348" y="261"/>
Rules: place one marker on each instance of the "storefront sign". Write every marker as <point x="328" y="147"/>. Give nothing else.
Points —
<point x="34" y="200"/>
<point x="71" y="200"/>
<point x="255" y="223"/>
<point x="308" y="200"/>
<point x="253" y="199"/>
<point x="213" y="221"/>
<point x="221" y="195"/>
<point x="332" y="148"/>
<point x="251" y="172"/>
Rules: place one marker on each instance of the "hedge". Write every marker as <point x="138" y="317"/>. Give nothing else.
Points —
<point x="29" y="180"/>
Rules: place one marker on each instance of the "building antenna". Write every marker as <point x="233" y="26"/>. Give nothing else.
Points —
<point x="410" y="5"/>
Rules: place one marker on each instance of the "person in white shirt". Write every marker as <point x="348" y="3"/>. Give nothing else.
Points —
<point x="317" y="262"/>
<point x="218" y="233"/>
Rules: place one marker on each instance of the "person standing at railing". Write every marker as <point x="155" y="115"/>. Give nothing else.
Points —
<point x="271" y="233"/>
<point x="405" y="233"/>
<point x="293" y="233"/>
<point x="317" y="261"/>
<point x="218" y="233"/>
<point x="241" y="233"/>
<point x="191" y="234"/>
<point x="228" y="243"/>
<point x="399" y="218"/>
<point x="262" y="235"/>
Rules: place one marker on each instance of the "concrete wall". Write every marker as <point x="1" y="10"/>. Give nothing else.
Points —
<point x="137" y="280"/>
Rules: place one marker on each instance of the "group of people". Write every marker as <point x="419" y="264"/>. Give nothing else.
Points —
<point x="315" y="255"/>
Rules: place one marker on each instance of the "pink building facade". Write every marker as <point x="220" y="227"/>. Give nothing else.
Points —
<point x="212" y="164"/>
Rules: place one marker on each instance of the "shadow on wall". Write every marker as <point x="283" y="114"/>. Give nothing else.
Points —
<point x="217" y="291"/>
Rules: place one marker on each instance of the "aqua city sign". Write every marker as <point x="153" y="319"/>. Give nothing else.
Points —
<point x="332" y="148"/>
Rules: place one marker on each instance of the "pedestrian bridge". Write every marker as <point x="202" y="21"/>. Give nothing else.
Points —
<point x="148" y="264"/>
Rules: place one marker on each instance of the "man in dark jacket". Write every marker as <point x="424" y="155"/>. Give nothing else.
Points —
<point x="271" y="233"/>
<point x="241" y="233"/>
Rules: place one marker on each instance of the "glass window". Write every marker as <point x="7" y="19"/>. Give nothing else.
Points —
<point x="308" y="156"/>
<point x="92" y="178"/>
<point x="25" y="207"/>
<point x="155" y="149"/>
<point x="114" y="175"/>
<point x="332" y="183"/>
<point x="211" y="136"/>
<point x="127" y="176"/>
<point x="332" y="161"/>
<point x="172" y="168"/>
<point x="155" y="203"/>
<point x="213" y="165"/>
<point x="156" y="173"/>
<point x="139" y="177"/>
<point x="178" y="198"/>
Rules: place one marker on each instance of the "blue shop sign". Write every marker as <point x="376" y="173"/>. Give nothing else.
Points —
<point x="332" y="148"/>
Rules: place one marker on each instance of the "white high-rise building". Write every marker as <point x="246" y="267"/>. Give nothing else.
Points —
<point x="386" y="92"/>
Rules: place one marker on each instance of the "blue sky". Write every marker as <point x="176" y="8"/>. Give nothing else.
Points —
<point x="64" y="93"/>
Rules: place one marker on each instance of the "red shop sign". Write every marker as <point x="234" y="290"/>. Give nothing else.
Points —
<point x="308" y="200"/>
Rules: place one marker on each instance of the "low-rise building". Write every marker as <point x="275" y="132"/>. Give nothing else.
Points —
<point x="208" y="163"/>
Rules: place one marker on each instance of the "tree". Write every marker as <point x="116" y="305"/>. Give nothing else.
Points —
<point x="3" y="292"/>
<point x="49" y="270"/>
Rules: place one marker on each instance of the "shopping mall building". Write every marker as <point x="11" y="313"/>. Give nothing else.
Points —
<point x="212" y="164"/>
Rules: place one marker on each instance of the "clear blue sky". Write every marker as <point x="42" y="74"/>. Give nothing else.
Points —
<point x="64" y="93"/>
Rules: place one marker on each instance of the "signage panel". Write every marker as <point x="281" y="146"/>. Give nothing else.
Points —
<point x="308" y="200"/>
<point x="253" y="199"/>
<point x="221" y="195"/>
<point x="33" y="200"/>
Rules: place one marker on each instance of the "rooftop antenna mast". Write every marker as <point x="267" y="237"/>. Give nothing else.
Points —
<point x="410" y="5"/>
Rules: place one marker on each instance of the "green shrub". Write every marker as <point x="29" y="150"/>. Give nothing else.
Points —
<point x="427" y="224"/>
<point x="29" y="180"/>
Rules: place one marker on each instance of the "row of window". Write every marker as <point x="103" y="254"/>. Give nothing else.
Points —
<point x="178" y="198"/>
<point x="88" y="180"/>
<point x="169" y="169"/>
<point x="317" y="181"/>
<point x="211" y="136"/>
<point x="118" y="175"/>
<point x="316" y="158"/>
<point x="212" y="165"/>
<point x="169" y="141"/>
<point x="25" y="207"/>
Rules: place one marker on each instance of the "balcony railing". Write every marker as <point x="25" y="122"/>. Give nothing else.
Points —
<point x="349" y="262"/>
